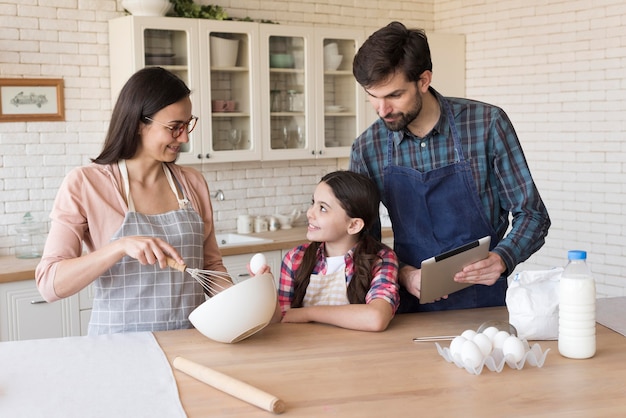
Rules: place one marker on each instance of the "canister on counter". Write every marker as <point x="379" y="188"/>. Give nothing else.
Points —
<point x="260" y="224"/>
<point x="29" y="238"/>
<point x="244" y="224"/>
<point x="273" y="224"/>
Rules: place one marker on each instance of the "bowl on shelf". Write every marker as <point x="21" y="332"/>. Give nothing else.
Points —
<point x="335" y="108"/>
<point x="281" y="60"/>
<point x="332" y="62"/>
<point x="331" y="49"/>
<point x="223" y="51"/>
<point x="238" y="312"/>
<point x="147" y="7"/>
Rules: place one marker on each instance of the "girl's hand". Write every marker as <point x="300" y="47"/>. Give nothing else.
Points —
<point x="264" y="269"/>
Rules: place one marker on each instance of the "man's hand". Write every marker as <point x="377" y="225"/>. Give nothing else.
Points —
<point x="485" y="271"/>
<point x="411" y="279"/>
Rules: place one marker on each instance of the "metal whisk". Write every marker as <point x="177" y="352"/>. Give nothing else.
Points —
<point x="212" y="281"/>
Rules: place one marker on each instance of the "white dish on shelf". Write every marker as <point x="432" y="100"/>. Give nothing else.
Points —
<point x="335" y="109"/>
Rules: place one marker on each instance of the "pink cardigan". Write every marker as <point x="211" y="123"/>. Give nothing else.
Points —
<point x="89" y="208"/>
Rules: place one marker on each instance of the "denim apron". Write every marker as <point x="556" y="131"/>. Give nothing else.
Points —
<point x="437" y="211"/>
<point x="130" y="297"/>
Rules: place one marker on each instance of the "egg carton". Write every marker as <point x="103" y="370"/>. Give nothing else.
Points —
<point x="496" y="360"/>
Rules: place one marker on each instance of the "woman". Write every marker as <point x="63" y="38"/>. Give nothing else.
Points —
<point x="344" y="276"/>
<point x="132" y="208"/>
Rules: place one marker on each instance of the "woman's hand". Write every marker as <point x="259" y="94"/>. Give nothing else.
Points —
<point x="149" y="250"/>
<point x="74" y="274"/>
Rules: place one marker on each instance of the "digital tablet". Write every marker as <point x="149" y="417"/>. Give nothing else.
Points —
<point x="438" y="271"/>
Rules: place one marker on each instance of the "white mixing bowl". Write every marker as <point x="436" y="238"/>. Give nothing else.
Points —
<point x="237" y="312"/>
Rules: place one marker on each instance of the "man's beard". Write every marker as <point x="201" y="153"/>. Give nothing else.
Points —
<point x="405" y="118"/>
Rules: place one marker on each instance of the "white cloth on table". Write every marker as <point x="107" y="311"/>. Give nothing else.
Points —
<point x="115" y="375"/>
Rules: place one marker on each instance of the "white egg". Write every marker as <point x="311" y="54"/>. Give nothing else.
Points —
<point x="456" y="346"/>
<point x="513" y="347"/>
<point x="256" y="262"/>
<point x="499" y="338"/>
<point x="484" y="343"/>
<point x="490" y="332"/>
<point x="469" y="334"/>
<point x="471" y="354"/>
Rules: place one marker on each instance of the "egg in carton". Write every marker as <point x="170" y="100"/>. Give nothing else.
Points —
<point x="473" y="351"/>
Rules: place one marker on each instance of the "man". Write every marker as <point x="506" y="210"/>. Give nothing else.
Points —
<point x="449" y="171"/>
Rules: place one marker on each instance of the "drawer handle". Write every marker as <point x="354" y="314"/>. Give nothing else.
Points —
<point x="37" y="302"/>
<point x="243" y="275"/>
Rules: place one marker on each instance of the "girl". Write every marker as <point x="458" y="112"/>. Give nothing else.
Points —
<point x="344" y="276"/>
<point x="131" y="208"/>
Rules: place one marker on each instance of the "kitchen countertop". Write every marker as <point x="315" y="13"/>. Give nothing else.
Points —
<point x="319" y="370"/>
<point x="14" y="269"/>
<point x="322" y="370"/>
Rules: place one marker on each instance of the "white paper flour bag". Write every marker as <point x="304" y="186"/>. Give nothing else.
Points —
<point x="532" y="300"/>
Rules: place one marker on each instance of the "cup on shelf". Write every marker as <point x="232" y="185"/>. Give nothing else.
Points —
<point x="230" y="105"/>
<point x="234" y="137"/>
<point x="223" y="105"/>
<point x="219" y="105"/>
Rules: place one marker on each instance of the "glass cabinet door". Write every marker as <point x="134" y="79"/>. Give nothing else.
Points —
<point x="229" y="59"/>
<point x="171" y="43"/>
<point x="343" y="99"/>
<point x="169" y="48"/>
<point x="287" y="92"/>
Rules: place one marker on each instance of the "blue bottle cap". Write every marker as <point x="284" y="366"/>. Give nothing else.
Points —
<point x="576" y="255"/>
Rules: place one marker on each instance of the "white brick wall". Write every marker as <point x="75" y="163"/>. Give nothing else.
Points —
<point x="69" y="39"/>
<point x="556" y="67"/>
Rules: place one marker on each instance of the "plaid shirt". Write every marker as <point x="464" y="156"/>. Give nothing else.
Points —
<point x="499" y="168"/>
<point x="384" y="283"/>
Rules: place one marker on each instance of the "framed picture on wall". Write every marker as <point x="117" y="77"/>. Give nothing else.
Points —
<point x="31" y="99"/>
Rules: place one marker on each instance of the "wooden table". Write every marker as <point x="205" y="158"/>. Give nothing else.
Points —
<point x="320" y="370"/>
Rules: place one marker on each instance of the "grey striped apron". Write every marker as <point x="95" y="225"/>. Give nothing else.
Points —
<point x="131" y="297"/>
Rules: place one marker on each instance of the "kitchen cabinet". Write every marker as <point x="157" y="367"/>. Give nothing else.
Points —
<point x="341" y="104"/>
<point x="237" y="265"/>
<point x="171" y="43"/>
<point x="312" y="108"/>
<point x="183" y="46"/>
<point x="24" y="315"/>
<point x="229" y="99"/>
<point x="274" y="100"/>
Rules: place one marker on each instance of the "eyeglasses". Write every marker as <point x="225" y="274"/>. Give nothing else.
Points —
<point x="179" y="128"/>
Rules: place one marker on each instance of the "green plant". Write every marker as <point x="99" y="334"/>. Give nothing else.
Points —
<point x="187" y="8"/>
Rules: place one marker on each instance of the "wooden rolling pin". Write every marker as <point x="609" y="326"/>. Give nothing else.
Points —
<point x="230" y="385"/>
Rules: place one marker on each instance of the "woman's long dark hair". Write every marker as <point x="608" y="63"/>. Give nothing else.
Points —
<point x="144" y="94"/>
<point x="359" y="197"/>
